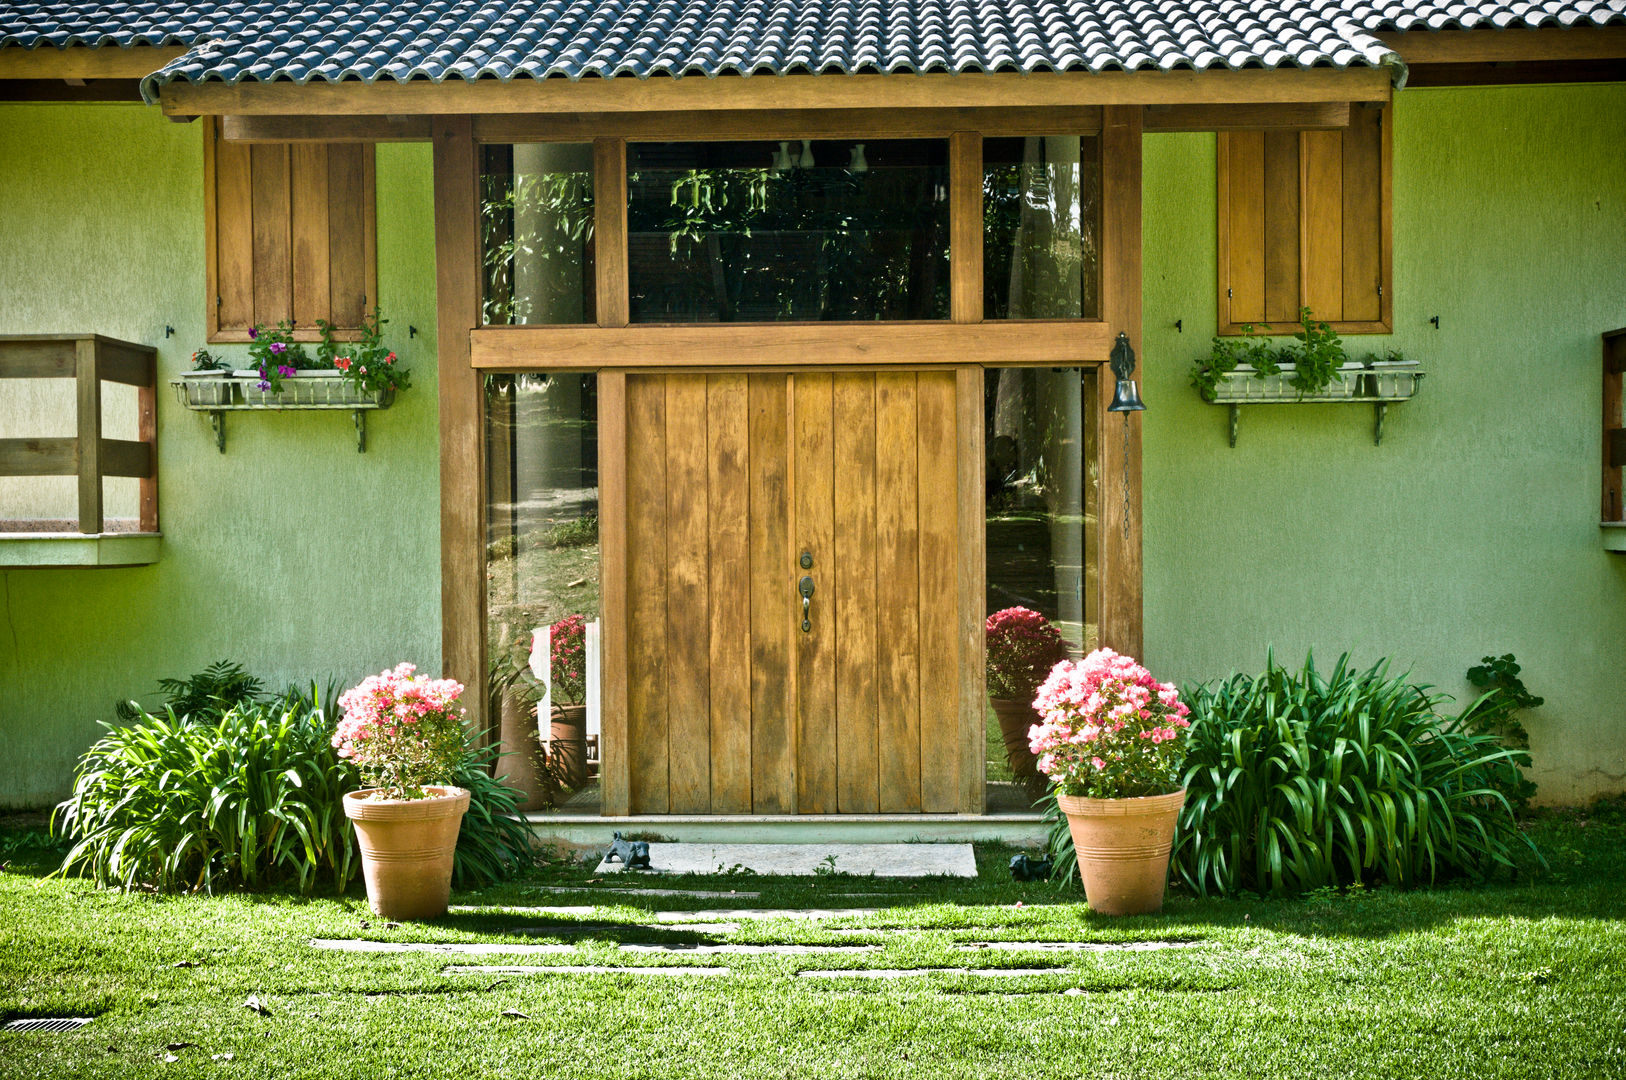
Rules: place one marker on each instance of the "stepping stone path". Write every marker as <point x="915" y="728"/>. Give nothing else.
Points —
<point x="584" y="969"/>
<point x="806" y="860"/>
<point x="484" y="948"/>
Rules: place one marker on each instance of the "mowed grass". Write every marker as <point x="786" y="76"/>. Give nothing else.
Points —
<point x="1521" y="978"/>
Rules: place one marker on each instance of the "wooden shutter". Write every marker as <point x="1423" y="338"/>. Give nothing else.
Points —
<point x="1304" y="222"/>
<point x="290" y="234"/>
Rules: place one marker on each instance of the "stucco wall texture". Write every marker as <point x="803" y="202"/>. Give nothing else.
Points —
<point x="1472" y="529"/>
<point x="291" y="552"/>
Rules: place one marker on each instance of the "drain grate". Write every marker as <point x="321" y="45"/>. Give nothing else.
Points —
<point x="48" y="1024"/>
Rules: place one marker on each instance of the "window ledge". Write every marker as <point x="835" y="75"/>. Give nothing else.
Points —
<point x="79" y="549"/>
<point x="1614" y="535"/>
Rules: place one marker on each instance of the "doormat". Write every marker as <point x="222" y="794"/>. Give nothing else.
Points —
<point x="807" y="860"/>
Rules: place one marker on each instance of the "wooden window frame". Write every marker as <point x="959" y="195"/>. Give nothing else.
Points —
<point x="1227" y="324"/>
<point x="214" y="333"/>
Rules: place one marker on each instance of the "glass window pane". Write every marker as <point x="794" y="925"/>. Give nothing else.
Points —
<point x="542" y="567"/>
<point x="795" y="231"/>
<point x="1041" y="212"/>
<point x="536" y="232"/>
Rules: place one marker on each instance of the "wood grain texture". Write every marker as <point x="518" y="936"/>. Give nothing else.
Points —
<point x="231" y="228"/>
<point x="1296" y="116"/>
<point x="716" y="346"/>
<point x="1362" y="254"/>
<point x="728" y="508"/>
<point x="1283" y="196"/>
<point x="1507" y="46"/>
<point x="610" y="231"/>
<point x="814" y="532"/>
<point x="309" y="214"/>
<point x="39" y="457"/>
<point x="1242" y="226"/>
<point x="272" y="267"/>
<point x="661" y="94"/>
<point x="326" y="129"/>
<point x="147" y="432"/>
<point x="688" y="596"/>
<point x="462" y="448"/>
<point x="971" y="574"/>
<point x="773" y="776"/>
<point x="857" y="701"/>
<point x="897" y="591"/>
<point x="350" y="223"/>
<point x="1120" y="457"/>
<point x="89" y="450"/>
<point x="613" y="608"/>
<point x="86" y="62"/>
<point x="1321" y="164"/>
<point x="965" y="227"/>
<point x="647" y="690"/>
<point x="1614" y="362"/>
<point x="748" y="124"/>
<point x="940" y="599"/>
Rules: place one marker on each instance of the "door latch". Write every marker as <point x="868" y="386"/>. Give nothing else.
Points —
<point x="805" y="587"/>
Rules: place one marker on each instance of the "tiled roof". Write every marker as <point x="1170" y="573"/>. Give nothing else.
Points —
<point x="334" y="40"/>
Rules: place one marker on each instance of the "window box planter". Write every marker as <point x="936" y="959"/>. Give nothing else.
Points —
<point x="213" y="393"/>
<point x="206" y="388"/>
<point x="1391" y="380"/>
<point x="1244" y="385"/>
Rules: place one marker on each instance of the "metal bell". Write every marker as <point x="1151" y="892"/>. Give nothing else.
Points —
<point x="1126" y="398"/>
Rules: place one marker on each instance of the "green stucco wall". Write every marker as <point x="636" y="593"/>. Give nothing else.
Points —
<point x="1474" y="527"/>
<point x="291" y="552"/>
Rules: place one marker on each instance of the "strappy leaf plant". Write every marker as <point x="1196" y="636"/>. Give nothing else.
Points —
<point x="1298" y="781"/>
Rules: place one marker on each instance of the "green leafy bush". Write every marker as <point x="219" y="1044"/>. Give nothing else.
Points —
<point x="251" y="797"/>
<point x="1496" y="713"/>
<point x="1295" y="781"/>
<point x="205" y="695"/>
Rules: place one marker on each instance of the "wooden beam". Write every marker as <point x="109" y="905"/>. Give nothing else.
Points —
<point x="89" y="388"/>
<point x="965" y="227"/>
<point x="61" y="90"/>
<point x="37" y="357"/>
<point x="1033" y="343"/>
<point x="462" y="447"/>
<point x="147" y="432"/>
<point x="324" y="129"/>
<point x="39" y="457"/>
<point x="1119" y="441"/>
<point x="122" y="457"/>
<point x="1520" y="73"/>
<point x="731" y="124"/>
<point x="612" y="297"/>
<point x="1006" y="91"/>
<point x="1504" y="46"/>
<point x="971" y="575"/>
<point x="1292" y="116"/>
<point x="83" y="62"/>
<point x="614" y="779"/>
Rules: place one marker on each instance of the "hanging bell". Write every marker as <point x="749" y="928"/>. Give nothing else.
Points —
<point x="1126" y="397"/>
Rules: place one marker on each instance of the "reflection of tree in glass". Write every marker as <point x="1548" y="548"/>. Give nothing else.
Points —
<point x="561" y="206"/>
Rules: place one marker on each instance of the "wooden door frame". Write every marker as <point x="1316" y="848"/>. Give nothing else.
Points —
<point x="467" y="352"/>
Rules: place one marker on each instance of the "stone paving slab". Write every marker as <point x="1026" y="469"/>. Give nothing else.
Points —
<point x="580" y="969"/>
<point x="593" y="928"/>
<point x="715" y="894"/>
<point x="915" y="973"/>
<point x="518" y="949"/>
<point x="1075" y="946"/>
<point x="807" y="860"/>
<point x="703" y="916"/>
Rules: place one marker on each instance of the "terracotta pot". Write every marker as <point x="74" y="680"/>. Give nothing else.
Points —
<point x="568" y="743"/>
<point x="406" y="849"/>
<point x="1015" y="718"/>
<point x="1123" y="849"/>
<point x="523" y="764"/>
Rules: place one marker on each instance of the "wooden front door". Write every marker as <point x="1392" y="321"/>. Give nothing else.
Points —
<point x="735" y="703"/>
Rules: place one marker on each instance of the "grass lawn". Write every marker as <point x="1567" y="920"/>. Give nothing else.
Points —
<point x="1517" y="979"/>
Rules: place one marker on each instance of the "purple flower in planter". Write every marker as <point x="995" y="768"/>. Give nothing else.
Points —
<point x="278" y="348"/>
<point x="284" y="370"/>
<point x="263" y="385"/>
<point x="253" y="333"/>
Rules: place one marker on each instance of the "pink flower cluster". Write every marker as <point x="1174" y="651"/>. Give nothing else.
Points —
<point x="385" y="703"/>
<point x="1108" y="729"/>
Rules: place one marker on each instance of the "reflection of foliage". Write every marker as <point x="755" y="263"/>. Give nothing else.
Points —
<point x="801" y="243"/>
<point x="563" y="203"/>
<point x="1040" y="223"/>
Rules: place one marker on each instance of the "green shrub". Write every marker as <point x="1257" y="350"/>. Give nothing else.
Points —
<point x="204" y="696"/>
<point x="1296" y="782"/>
<point x="1496" y="712"/>
<point x="252" y="798"/>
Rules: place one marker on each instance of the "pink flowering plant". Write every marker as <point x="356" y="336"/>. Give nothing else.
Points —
<point x="1022" y="647"/>
<point x="367" y="363"/>
<point x="404" y="731"/>
<point x="569" y="639"/>
<point x="1108" y="730"/>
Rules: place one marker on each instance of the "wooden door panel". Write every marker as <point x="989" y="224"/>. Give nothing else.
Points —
<point x="731" y="706"/>
<point x="773" y="777"/>
<point x="853" y="578"/>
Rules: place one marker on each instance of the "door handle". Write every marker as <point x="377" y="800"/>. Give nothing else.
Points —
<point x="805" y="587"/>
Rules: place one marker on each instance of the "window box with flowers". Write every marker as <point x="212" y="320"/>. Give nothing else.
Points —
<point x="282" y="375"/>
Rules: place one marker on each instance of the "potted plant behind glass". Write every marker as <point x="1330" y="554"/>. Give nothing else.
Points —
<point x="1111" y="737"/>
<point x="1022" y="646"/>
<point x="406" y="735"/>
<point x="567" y="740"/>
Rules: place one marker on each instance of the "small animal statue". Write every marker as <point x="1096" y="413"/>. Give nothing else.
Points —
<point x="633" y="854"/>
<point x="1025" y="868"/>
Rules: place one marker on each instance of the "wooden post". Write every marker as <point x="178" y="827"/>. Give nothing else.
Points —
<point x="1120" y="433"/>
<point x="610" y="231"/>
<point x="89" y="456"/>
<point x="614" y="781"/>
<point x="965" y="227"/>
<point x="462" y="445"/>
<point x="147" y="432"/>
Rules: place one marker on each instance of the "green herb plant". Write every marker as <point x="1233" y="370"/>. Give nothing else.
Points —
<point x="1496" y="713"/>
<point x="1317" y="357"/>
<point x="1229" y="353"/>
